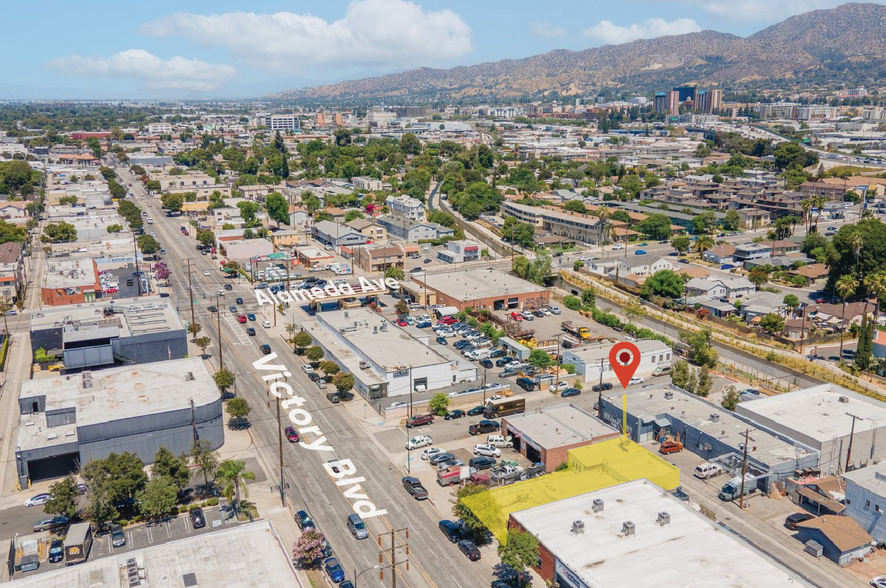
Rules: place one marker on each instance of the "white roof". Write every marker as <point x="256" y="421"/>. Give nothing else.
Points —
<point x="691" y="550"/>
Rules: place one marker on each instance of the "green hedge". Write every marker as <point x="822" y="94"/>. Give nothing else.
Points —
<point x="3" y="353"/>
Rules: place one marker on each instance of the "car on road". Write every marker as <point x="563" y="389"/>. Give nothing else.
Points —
<point x="558" y="386"/>
<point x="414" y="487"/>
<point x="50" y="523"/>
<point x="212" y="309"/>
<point x="879" y="582"/>
<point x="56" y="551"/>
<point x="487" y="450"/>
<point x="454" y="414"/>
<point x="333" y="569"/>
<point x="570" y="392"/>
<point x="636" y="380"/>
<point x="453" y="530"/>
<point x="229" y="287"/>
<point x="307" y="369"/>
<point x="477" y="411"/>
<point x="419" y="420"/>
<point x="793" y="520"/>
<point x="640" y="252"/>
<point x="266" y="349"/>
<point x="250" y="316"/>
<point x="291" y="435"/>
<point x="118" y="537"/>
<point x="266" y="324"/>
<point x="618" y="246"/>
<point x="426" y="454"/>
<point x="37" y="499"/>
<point x="233" y="309"/>
<point x="303" y="521"/>
<point x="469" y="549"/>
<point x="198" y="519"/>
<point x="205" y="272"/>
<point x="419" y="442"/>
<point x="416" y="270"/>
<point x="239" y="300"/>
<point x="427" y="260"/>
<point x="517" y="316"/>
<point x="241" y="318"/>
<point x="484" y="426"/>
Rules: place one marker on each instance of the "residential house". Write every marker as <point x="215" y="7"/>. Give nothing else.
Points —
<point x="336" y="235"/>
<point x="337" y="214"/>
<point x="14" y="211"/>
<point x="865" y="500"/>
<point x="759" y="304"/>
<point x="719" y="287"/>
<point x="822" y="496"/>
<point x="259" y="192"/>
<point x="406" y="206"/>
<point x="813" y="273"/>
<point x="369" y="228"/>
<point x="841" y="538"/>
<point x="401" y="227"/>
<point x="719" y="254"/>
<point x="783" y="247"/>
<point x="365" y="183"/>
<point x="460" y="251"/>
<point x="643" y="266"/>
<point x="751" y="251"/>
<point x="284" y="238"/>
<point x="378" y="258"/>
<point x="716" y="307"/>
<point x="12" y="270"/>
<point x="298" y="216"/>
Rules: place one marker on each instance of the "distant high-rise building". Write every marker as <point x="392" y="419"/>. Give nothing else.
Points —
<point x="410" y="111"/>
<point x="281" y="122"/>
<point x="708" y="101"/>
<point x="661" y="102"/>
<point x="674" y="102"/>
<point x="685" y="93"/>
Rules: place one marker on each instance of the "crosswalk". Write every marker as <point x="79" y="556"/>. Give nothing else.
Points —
<point x="243" y="339"/>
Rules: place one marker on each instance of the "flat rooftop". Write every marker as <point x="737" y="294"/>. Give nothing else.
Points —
<point x="242" y="556"/>
<point x="872" y="477"/>
<point x="559" y="426"/>
<point x="477" y="283"/>
<point x="594" y="353"/>
<point x="689" y="550"/>
<point x="650" y="403"/>
<point x="118" y="393"/>
<point x="131" y="316"/>
<point x="380" y="340"/>
<point x="817" y="412"/>
<point x="69" y="273"/>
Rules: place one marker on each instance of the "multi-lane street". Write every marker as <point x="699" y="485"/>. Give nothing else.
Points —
<point x="310" y="486"/>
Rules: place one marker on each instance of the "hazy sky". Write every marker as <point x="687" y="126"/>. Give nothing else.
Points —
<point x="185" y="48"/>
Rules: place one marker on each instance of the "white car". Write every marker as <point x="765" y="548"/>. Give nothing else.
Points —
<point x="487" y="451"/>
<point x="266" y="324"/>
<point x="618" y="246"/>
<point x="636" y="380"/>
<point x="555" y="309"/>
<point x="879" y="582"/>
<point x="420" y="441"/>
<point x="559" y="386"/>
<point x="205" y="272"/>
<point x="547" y="311"/>
<point x="399" y="405"/>
<point x="307" y="369"/>
<point x="37" y="500"/>
<point x="430" y="451"/>
<point x="496" y="397"/>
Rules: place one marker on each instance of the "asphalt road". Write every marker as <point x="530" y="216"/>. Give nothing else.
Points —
<point x="310" y="486"/>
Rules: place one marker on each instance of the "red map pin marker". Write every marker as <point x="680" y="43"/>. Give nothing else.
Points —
<point x="624" y="358"/>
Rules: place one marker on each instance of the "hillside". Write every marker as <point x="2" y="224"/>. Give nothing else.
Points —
<point x="848" y="41"/>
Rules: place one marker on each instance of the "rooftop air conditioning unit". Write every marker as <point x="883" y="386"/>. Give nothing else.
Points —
<point x="844" y="399"/>
<point x="578" y="527"/>
<point x="715" y="417"/>
<point x="597" y="506"/>
<point x="189" y="376"/>
<point x="364" y="365"/>
<point x="663" y="519"/>
<point x="669" y="395"/>
<point x="628" y="529"/>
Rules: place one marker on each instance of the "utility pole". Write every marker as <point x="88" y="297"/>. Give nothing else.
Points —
<point x="280" y="448"/>
<point x="193" y="420"/>
<point x="138" y="277"/>
<point x="191" y="291"/>
<point x="558" y="363"/>
<point x="410" y="391"/>
<point x="394" y="562"/>
<point x="851" y="436"/>
<point x="221" y="359"/>
<point x="744" y="469"/>
<point x="600" y="392"/>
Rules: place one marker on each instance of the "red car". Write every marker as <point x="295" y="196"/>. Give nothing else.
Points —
<point x="517" y="316"/>
<point x="447" y="320"/>
<point x="670" y="447"/>
<point x="401" y="323"/>
<point x="241" y="318"/>
<point x="291" y="435"/>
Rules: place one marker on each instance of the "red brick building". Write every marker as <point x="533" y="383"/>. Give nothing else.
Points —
<point x="482" y="289"/>
<point x="70" y="281"/>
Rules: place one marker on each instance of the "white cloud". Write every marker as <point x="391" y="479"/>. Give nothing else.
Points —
<point x="154" y="73"/>
<point x="387" y="33"/>
<point x="765" y="11"/>
<point x="612" y="34"/>
<point x="544" y="29"/>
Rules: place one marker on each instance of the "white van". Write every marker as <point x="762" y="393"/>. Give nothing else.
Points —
<point x="662" y="370"/>
<point x="708" y="470"/>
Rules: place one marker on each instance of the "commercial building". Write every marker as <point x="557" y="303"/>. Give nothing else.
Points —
<point x="378" y="258"/>
<point x="482" y="288"/>
<point x="708" y="101"/>
<point x="249" y="555"/>
<point x="825" y="418"/>
<point x="547" y="434"/>
<point x="412" y="231"/>
<point x="281" y="122"/>
<point x="406" y="206"/>
<point x="634" y="534"/>
<point x="384" y="359"/>
<point x="69" y="281"/>
<point x="72" y="419"/>
<point x="865" y="500"/>
<point x="460" y="251"/>
<point x="368" y="184"/>
<point x="158" y="128"/>
<point x="589" y="359"/>
<point x="709" y="431"/>
<point x="103" y="333"/>
<point x="337" y="235"/>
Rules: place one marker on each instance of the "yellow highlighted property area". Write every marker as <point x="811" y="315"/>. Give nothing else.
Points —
<point x="591" y="468"/>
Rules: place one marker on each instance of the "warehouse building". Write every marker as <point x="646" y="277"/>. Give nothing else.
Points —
<point x="634" y="534"/>
<point x="97" y="334"/>
<point x="546" y="435"/>
<point x="589" y="360"/>
<point x="489" y="289"/>
<point x="707" y="430"/>
<point x="72" y="419"/>
<point x="383" y="358"/>
<point x="825" y="418"/>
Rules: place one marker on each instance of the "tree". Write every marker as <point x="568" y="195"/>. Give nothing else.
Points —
<point x="704" y="223"/>
<point x="732" y="221"/>
<point x="572" y="302"/>
<point x="115" y="228"/>
<point x="194" y="328"/>
<point x="790" y="154"/>
<point x="461" y="511"/>
<point x="119" y="476"/>
<point x="692" y="382"/>
<point x="205" y="459"/>
<point x="656" y="226"/>
<point x="234" y="475"/>
<point x="203" y="343"/>
<point x="62" y="498"/>
<point x="308" y="550"/>
<point x="575" y="206"/>
<point x="343" y="382"/>
<point x="277" y="207"/>
<point x="664" y="283"/>
<point x="224" y="379"/>
<point x="633" y="311"/>
<point x="148" y="245"/>
<point x="302" y="341"/>
<point x="238" y="408"/>
<point x="172" y="202"/>
<point x="864" y="348"/>
<point x="248" y="209"/>
<point x="439" y="403"/>
<point x="61" y="232"/>
<point x="846" y="287"/>
<point x="704" y="381"/>
<point x="395" y="273"/>
<point x="589" y="298"/>
<point x="159" y="498"/>
<point x="700" y="350"/>
<point x="540" y="359"/>
<point x="730" y="398"/>
<point x="67" y="200"/>
<point x="410" y="144"/>
<point x="206" y="238"/>
<point x="792" y="302"/>
<point x="153" y="186"/>
<point x="704" y="243"/>
<point x="520" y="551"/>
<point x="772" y="323"/>
<point x="758" y="276"/>
<point x="168" y="465"/>
<point x="353" y="214"/>
<point x="510" y="576"/>
<point x="314" y="354"/>
<point x="329" y="369"/>
<point x="680" y="373"/>
<point x="681" y="243"/>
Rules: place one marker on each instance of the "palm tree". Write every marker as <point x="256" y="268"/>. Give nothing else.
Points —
<point x="233" y="473"/>
<point x="818" y="203"/>
<point x="704" y="243"/>
<point x="857" y="243"/>
<point x="603" y="214"/>
<point x="845" y="287"/>
<point x="876" y="286"/>
<point x="807" y="217"/>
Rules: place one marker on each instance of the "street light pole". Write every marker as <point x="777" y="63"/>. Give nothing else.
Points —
<point x="356" y="575"/>
<point x="221" y="359"/>
<point x="190" y="291"/>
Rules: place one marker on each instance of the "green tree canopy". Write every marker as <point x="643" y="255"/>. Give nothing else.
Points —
<point x="148" y="244"/>
<point x="656" y="226"/>
<point x="224" y="379"/>
<point x="159" y="498"/>
<point x="439" y="403"/>
<point x="167" y="464"/>
<point x="62" y="498"/>
<point x="60" y="232"/>
<point x="343" y="382"/>
<point x="172" y="202"/>
<point x="277" y="207"/>
<point x="664" y="283"/>
<point x="238" y="408"/>
<point x="540" y="358"/>
<point x="520" y="551"/>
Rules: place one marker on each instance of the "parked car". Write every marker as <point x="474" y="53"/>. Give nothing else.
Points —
<point x="454" y="531"/>
<point x="198" y="519"/>
<point x="669" y="447"/>
<point x="558" y="386"/>
<point x="879" y="582"/>
<point x="503" y="361"/>
<point x="477" y="411"/>
<point x="636" y="380"/>
<point x="602" y="387"/>
<point x="527" y="316"/>
<point x="393" y="404"/>
<point x="56" y="551"/>
<point x="569" y="392"/>
<point x="439" y="458"/>
<point x="487" y="450"/>
<point x="306" y="368"/>
<point x="484" y="427"/>
<point x="482" y="463"/>
<point x="486" y="363"/>
<point x="291" y="435"/>
<point x="430" y="452"/>
<point x="454" y="414"/>
<point x="469" y="549"/>
<point x="333" y="569"/>
<point x="526" y="384"/>
<point x="419" y="442"/>
<point x="418" y="420"/>
<point x="517" y="316"/>
<point x="118" y="537"/>
<point x="37" y="499"/>
<point x="795" y="519"/>
<point x="303" y="521"/>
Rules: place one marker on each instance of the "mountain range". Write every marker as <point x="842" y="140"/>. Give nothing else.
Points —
<point x="846" y="43"/>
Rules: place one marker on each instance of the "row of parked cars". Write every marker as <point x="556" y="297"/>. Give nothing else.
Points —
<point x="533" y="313"/>
<point x="332" y="569"/>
